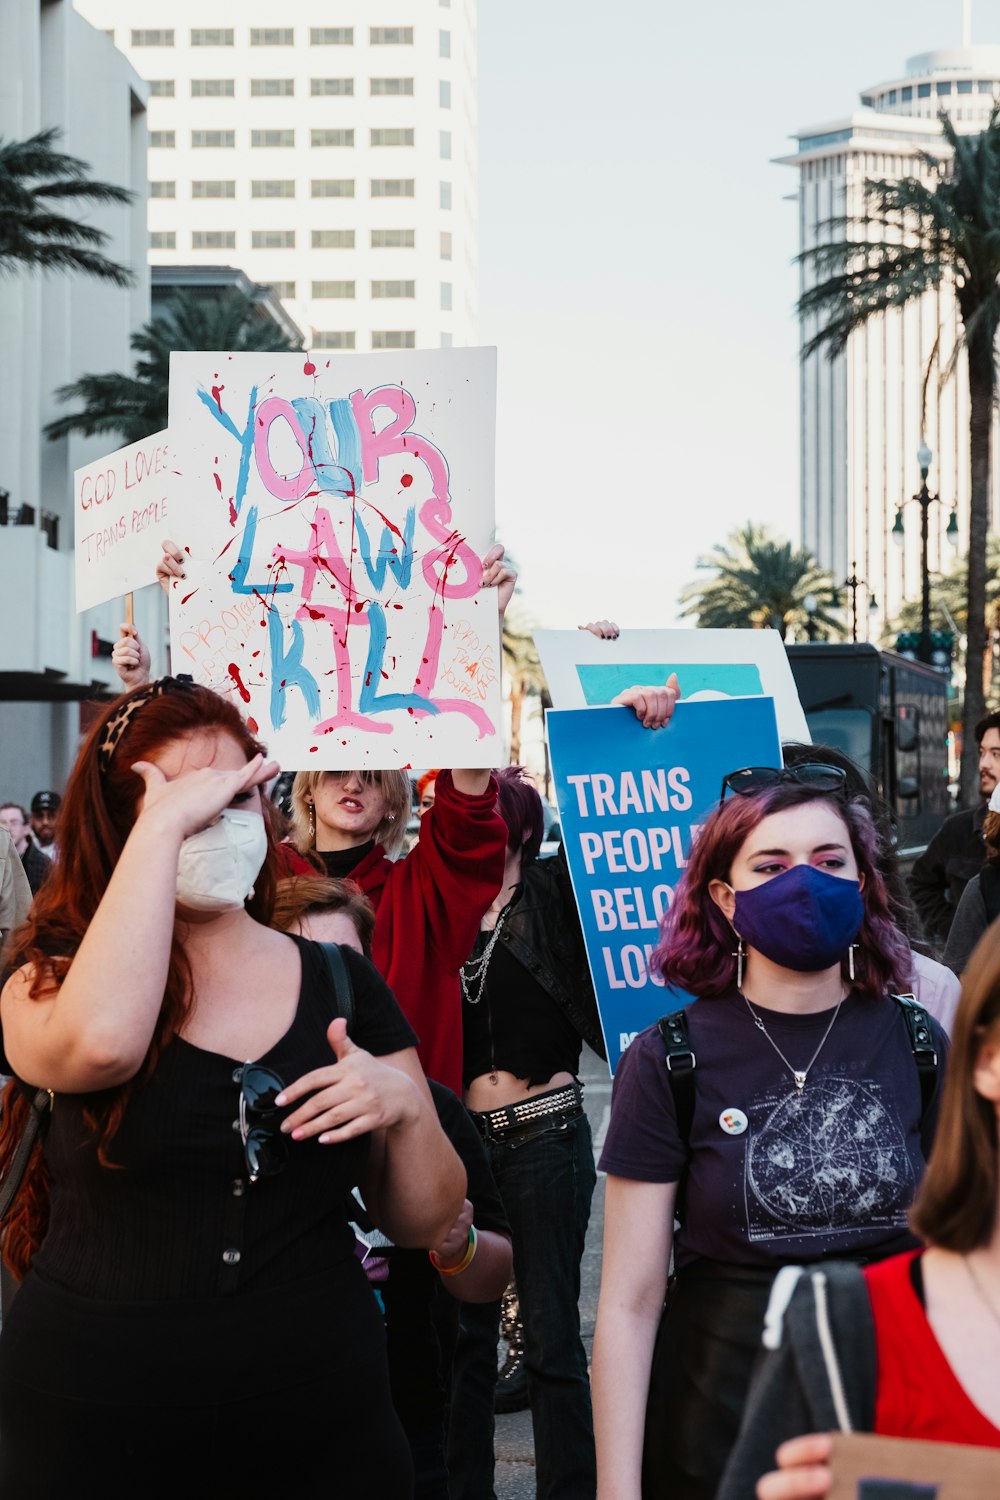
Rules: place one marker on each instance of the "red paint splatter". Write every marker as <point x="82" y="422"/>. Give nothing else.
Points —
<point x="189" y="596"/>
<point x="253" y="726"/>
<point x="217" y="391"/>
<point x="218" y="483"/>
<point x="232" y="513"/>
<point x="406" y="481"/>
<point x="309" y="368"/>
<point x="234" y="673"/>
<point x="313" y="749"/>
<point x="256" y="653"/>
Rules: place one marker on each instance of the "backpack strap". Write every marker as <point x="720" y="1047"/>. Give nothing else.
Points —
<point x="341" y="980"/>
<point x="681" y="1063"/>
<point x="37" y="1123"/>
<point x="921" y="1036"/>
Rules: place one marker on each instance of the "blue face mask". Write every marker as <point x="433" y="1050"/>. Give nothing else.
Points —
<point x="803" y="919"/>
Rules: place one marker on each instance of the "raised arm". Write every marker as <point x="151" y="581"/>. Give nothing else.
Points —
<point x="497" y="574"/>
<point x="130" y="657"/>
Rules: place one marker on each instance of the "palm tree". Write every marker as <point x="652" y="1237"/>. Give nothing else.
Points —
<point x="136" y="405"/>
<point x="942" y="231"/>
<point x="760" y="581"/>
<point x="35" y="181"/>
<point x="524" y="674"/>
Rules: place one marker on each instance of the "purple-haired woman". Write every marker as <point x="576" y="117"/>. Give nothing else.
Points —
<point x="799" y="1135"/>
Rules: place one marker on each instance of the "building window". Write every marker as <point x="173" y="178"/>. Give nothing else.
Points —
<point x="272" y="36"/>
<point x="272" y="239"/>
<point x="161" y="88"/>
<point x="444" y="44"/>
<point x="906" y="94"/>
<point x="272" y="88"/>
<point x="390" y="86"/>
<point x="964" y="86"/>
<point x="273" y="187"/>
<point x="214" y="37"/>
<point x="213" y="138"/>
<point x="332" y="138"/>
<point x="444" y="94"/>
<point x="892" y="96"/>
<point x="333" y="288"/>
<point x="213" y="239"/>
<point x="445" y="194"/>
<point x="332" y="187"/>
<point x="984" y="86"/>
<point x="923" y="91"/>
<point x="213" y="88"/>
<point x="444" y="145"/>
<point x="163" y="190"/>
<point x="272" y="137"/>
<point x="152" y="38"/>
<point x="284" y="289"/>
<point x="446" y="341"/>
<point x="446" y="296"/>
<point x="329" y="338"/>
<point x="394" y="339"/>
<point x="394" y="288"/>
<point x="392" y="136"/>
<point x="163" y="239"/>
<point x="392" y="239"/>
<point x="333" y="239"/>
<point x="213" y="188"/>
<point x="392" y="187"/>
<point x="445" y="4"/>
<point x="331" y="36"/>
<point x="322" y="87"/>
<point x="943" y="90"/>
<point x="446" y="244"/>
<point x="390" y="36"/>
<point x="165" y="138"/>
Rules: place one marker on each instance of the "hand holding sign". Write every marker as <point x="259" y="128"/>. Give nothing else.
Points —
<point x="653" y="705"/>
<point x="803" y="1471"/>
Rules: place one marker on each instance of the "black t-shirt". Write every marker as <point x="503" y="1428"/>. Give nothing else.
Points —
<point x="777" y="1175"/>
<point x="175" y="1217"/>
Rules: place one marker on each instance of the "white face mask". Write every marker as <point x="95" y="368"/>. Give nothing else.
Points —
<point x="218" y="866"/>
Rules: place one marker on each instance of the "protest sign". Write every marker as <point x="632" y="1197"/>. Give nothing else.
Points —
<point x="866" y="1467"/>
<point x="628" y="828"/>
<point x="582" y="670"/>
<point x="334" y="511"/>
<point x="119" y="520"/>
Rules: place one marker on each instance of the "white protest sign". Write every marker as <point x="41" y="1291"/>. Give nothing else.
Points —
<point x="334" y="510"/>
<point x="584" y="672"/>
<point x="120" y="518"/>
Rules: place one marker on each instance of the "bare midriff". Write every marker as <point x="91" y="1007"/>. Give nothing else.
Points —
<point x="494" y="1090"/>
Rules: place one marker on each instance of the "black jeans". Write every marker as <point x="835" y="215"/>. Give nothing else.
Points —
<point x="546" y="1185"/>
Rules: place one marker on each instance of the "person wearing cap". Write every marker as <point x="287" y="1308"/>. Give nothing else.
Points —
<point x="37" y="865"/>
<point x="980" y="901"/>
<point x="15" y="893"/>
<point x="44" y="806"/>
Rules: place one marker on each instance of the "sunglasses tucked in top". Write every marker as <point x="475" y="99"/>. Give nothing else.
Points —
<point x="753" y="779"/>
<point x="264" y="1146"/>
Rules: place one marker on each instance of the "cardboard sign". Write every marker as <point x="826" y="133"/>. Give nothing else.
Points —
<point x="334" y="511"/>
<point x="631" y="801"/>
<point x="119" y="519"/>
<point x="582" y="670"/>
<point x="866" y="1467"/>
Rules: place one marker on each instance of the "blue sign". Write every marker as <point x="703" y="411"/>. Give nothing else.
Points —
<point x="631" y="801"/>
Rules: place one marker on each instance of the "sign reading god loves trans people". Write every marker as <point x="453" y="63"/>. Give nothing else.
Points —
<point x="119" y="519"/>
<point x="334" y="511"/>
<point x="631" y="801"/>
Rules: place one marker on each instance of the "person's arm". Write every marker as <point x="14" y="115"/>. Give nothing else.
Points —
<point x="653" y="705"/>
<point x="638" y="1232"/>
<point x="486" y="1274"/>
<point x="457" y="866"/>
<point x="414" y="1183"/>
<point x="967" y="927"/>
<point x="497" y="574"/>
<point x="93" y="1030"/>
<point x="130" y="658"/>
<point x="928" y="885"/>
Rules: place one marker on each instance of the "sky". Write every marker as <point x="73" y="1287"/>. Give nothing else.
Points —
<point x="636" y="272"/>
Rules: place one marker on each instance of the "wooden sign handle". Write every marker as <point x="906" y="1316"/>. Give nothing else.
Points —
<point x="129" y="609"/>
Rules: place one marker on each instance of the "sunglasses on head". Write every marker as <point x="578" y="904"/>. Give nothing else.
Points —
<point x="752" y="779"/>
<point x="264" y="1146"/>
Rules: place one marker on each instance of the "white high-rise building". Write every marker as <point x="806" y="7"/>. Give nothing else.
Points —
<point x="864" y="414"/>
<point x="332" y="156"/>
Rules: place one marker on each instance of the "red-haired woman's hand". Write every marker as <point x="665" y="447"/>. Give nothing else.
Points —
<point x="191" y="802"/>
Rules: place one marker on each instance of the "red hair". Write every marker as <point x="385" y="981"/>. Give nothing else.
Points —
<point x="426" y="780"/>
<point x="98" y="811"/>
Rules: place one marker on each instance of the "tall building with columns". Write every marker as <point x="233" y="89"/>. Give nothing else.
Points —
<point x="864" y="414"/>
<point x="329" y="150"/>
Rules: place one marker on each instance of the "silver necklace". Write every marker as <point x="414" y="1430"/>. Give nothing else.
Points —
<point x="473" y="971"/>
<point x="799" y="1076"/>
<point x="983" y="1294"/>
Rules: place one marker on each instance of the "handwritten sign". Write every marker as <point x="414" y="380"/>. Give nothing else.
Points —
<point x="866" y="1467"/>
<point x="334" y="511"/>
<point x="631" y="801"/>
<point x="580" y="669"/>
<point x="120" y="516"/>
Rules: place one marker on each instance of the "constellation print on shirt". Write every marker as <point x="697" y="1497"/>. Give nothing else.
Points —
<point x="832" y="1157"/>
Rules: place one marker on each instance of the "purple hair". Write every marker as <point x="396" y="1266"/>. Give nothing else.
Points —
<point x="695" y="950"/>
<point x="520" y="806"/>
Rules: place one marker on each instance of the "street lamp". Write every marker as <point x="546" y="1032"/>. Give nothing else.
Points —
<point x="810" y="604"/>
<point x="854" y="583"/>
<point x="923" y="497"/>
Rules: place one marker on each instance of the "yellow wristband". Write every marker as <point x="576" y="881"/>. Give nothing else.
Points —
<point x="464" y="1263"/>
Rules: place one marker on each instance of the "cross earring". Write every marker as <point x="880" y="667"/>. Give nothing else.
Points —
<point x="739" y="955"/>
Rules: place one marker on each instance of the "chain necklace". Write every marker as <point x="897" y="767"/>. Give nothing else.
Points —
<point x="981" y="1290"/>
<point x="799" y="1076"/>
<point x="473" y="971"/>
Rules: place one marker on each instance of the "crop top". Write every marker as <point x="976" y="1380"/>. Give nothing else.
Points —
<point x="515" y="1025"/>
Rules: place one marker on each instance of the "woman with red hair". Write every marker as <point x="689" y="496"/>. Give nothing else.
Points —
<point x="788" y="1109"/>
<point x="189" y="1276"/>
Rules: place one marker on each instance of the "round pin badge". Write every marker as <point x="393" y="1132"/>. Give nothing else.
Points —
<point x="733" y="1121"/>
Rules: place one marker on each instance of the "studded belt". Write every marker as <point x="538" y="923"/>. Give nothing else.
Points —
<point x="516" y="1123"/>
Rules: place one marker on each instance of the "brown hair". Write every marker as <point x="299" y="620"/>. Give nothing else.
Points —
<point x="991" y="837"/>
<point x="390" y="833"/>
<point x="96" y="816"/>
<point x="298" y="895"/>
<point x="956" y="1206"/>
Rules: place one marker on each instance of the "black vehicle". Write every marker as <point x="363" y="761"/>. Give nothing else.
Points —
<point x="890" y="715"/>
